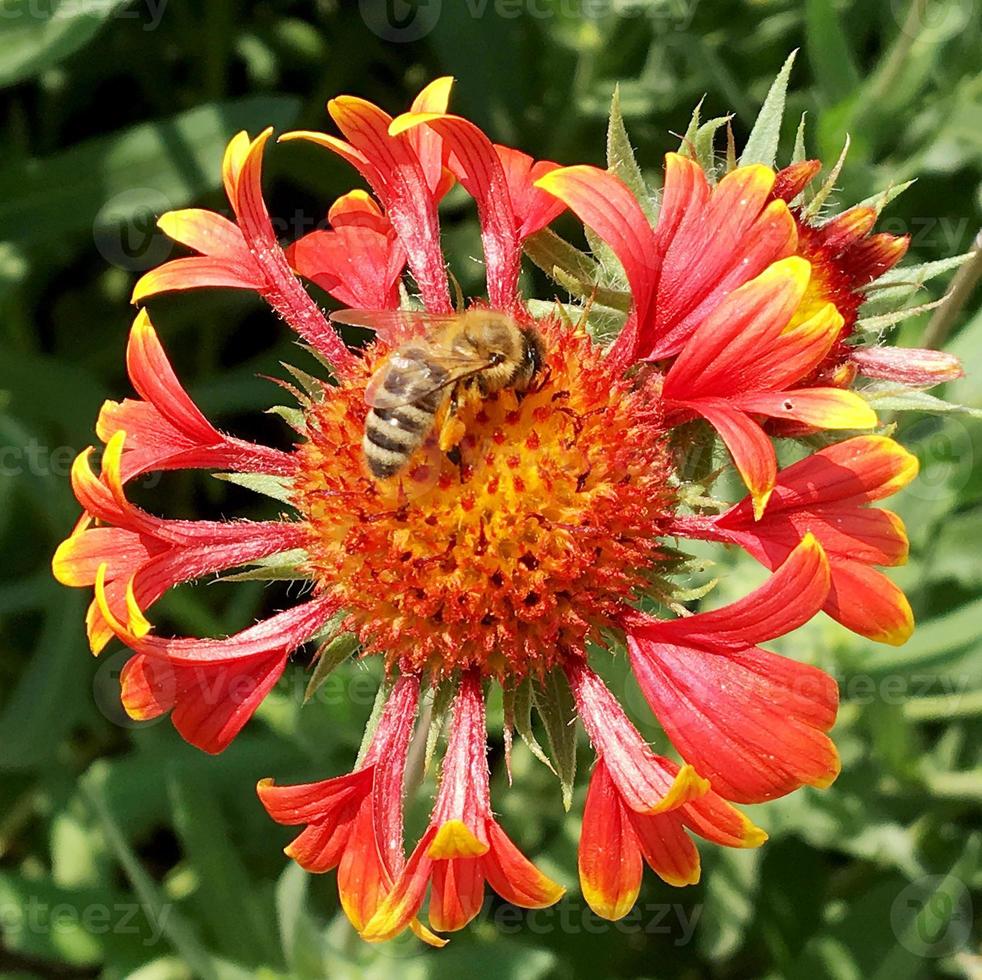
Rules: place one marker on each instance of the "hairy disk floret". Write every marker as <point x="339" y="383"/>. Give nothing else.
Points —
<point x="510" y="552"/>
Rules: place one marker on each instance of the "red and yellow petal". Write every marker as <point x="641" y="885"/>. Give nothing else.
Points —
<point x="456" y="894"/>
<point x="868" y="603"/>
<point x="820" y="408"/>
<point x="513" y="876"/>
<point x="787" y="600"/>
<point x="667" y="848"/>
<point x="609" y="856"/>
<point x="719" y="357"/>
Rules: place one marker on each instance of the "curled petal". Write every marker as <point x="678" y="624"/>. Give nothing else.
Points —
<point x="907" y="366"/>
<point x="533" y="207"/>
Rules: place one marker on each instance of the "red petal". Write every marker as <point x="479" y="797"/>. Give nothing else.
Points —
<point x="857" y="470"/>
<point x="604" y="202"/>
<point x="751" y="449"/>
<point x="155" y="381"/>
<point x="789" y="598"/>
<point x="534" y="208"/>
<point x="363" y="880"/>
<point x="646" y="782"/>
<point x="751" y="721"/>
<point x="792" y="180"/>
<point x="457" y="893"/>
<point x="473" y="161"/>
<point x="209" y="704"/>
<point x="360" y="267"/>
<point x="397" y="177"/>
<point x="402" y="903"/>
<point x="713" y="244"/>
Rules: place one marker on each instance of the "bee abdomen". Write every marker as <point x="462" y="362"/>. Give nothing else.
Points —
<point x="392" y="435"/>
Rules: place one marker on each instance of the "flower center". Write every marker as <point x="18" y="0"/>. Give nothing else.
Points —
<point x="508" y="553"/>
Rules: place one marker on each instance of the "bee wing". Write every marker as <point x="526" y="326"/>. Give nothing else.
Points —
<point x="394" y="327"/>
<point x="419" y="376"/>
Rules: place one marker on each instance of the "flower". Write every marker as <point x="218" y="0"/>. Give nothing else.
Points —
<point x="534" y="536"/>
<point x="464" y="846"/>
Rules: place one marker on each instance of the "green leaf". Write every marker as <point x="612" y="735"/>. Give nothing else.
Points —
<point x="172" y="924"/>
<point x="329" y="657"/>
<point x="828" y="50"/>
<point x="239" y="929"/>
<point x="762" y="143"/>
<point x="35" y="37"/>
<point x="889" y="397"/>
<point x="115" y="179"/>
<point x="554" y="703"/>
<point x="621" y="160"/>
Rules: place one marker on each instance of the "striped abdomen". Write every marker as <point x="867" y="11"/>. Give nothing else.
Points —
<point x="399" y="421"/>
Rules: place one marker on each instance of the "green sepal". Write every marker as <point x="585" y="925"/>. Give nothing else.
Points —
<point x="444" y="691"/>
<point x="821" y="195"/>
<point x="622" y="161"/>
<point x="329" y="657"/>
<point x="287" y="566"/>
<point x="518" y="702"/>
<point x="891" y="397"/>
<point x="554" y="703"/>
<point x="761" y="145"/>
<point x="277" y="487"/>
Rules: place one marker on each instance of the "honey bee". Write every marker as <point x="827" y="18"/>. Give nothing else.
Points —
<point x="451" y="356"/>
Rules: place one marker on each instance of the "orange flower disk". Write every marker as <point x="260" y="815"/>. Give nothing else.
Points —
<point x="517" y="555"/>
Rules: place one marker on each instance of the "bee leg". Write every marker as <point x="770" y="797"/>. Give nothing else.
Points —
<point x="451" y="432"/>
<point x="450" y="426"/>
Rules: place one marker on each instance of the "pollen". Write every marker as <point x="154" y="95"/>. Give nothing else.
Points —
<point x="514" y="549"/>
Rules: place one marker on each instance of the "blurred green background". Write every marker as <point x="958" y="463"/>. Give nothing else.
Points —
<point x="126" y="853"/>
